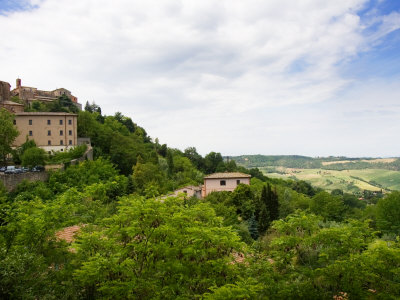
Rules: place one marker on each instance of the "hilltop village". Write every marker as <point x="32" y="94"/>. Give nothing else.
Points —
<point x="52" y="131"/>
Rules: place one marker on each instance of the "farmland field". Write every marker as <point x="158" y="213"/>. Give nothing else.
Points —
<point x="346" y="180"/>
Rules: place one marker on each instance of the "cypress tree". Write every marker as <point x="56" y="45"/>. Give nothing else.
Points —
<point x="253" y="227"/>
<point x="272" y="204"/>
<point x="263" y="214"/>
<point x="263" y="219"/>
<point x="170" y="162"/>
<point x="274" y="208"/>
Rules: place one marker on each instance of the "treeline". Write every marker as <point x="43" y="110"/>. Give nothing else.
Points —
<point x="304" y="162"/>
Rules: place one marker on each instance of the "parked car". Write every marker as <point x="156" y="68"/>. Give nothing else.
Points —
<point x="10" y="170"/>
<point x="3" y="169"/>
<point x="25" y="169"/>
<point x="37" y="169"/>
<point x="18" y="170"/>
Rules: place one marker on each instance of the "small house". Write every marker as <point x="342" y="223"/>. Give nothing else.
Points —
<point x="227" y="181"/>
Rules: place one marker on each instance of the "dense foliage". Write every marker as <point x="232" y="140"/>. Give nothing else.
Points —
<point x="272" y="239"/>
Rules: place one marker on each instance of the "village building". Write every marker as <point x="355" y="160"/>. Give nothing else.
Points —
<point x="227" y="181"/>
<point x="29" y="94"/>
<point x="51" y="131"/>
<point x="5" y="99"/>
<point x="189" y="191"/>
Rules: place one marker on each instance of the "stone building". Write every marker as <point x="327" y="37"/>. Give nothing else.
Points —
<point x="30" y="94"/>
<point x="227" y="181"/>
<point x="52" y="131"/>
<point x="4" y="91"/>
<point x="5" y="99"/>
<point x="189" y="191"/>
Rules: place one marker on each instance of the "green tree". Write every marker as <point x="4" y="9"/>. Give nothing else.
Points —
<point x="170" y="162"/>
<point x="212" y="161"/>
<point x="152" y="249"/>
<point x="253" y="227"/>
<point x="33" y="156"/>
<point x="243" y="199"/>
<point x="328" y="206"/>
<point x="388" y="213"/>
<point x="273" y="204"/>
<point x="8" y="133"/>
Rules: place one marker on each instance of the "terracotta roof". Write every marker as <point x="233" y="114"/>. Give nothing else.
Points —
<point x="190" y="187"/>
<point x="44" y="114"/>
<point x="227" y="175"/>
<point x="67" y="234"/>
<point x="12" y="103"/>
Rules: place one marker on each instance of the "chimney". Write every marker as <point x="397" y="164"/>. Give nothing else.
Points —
<point x="18" y="83"/>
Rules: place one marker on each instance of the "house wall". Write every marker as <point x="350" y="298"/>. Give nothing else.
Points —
<point x="40" y="128"/>
<point x="189" y="191"/>
<point x="214" y="185"/>
<point x="12" y="106"/>
<point x="4" y="91"/>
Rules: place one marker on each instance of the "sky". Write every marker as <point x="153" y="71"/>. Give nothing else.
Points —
<point x="306" y="77"/>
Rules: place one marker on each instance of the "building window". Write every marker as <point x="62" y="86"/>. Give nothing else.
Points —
<point x="61" y="132"/>
<point x="62" y="150"/>
<point x="15" y="122"/>
<point x="222" y="182"/>
<point x="238" y="181"/>
<point x="30" y="133"/>
<point x="48" y="122"/>
<point x="30" y="122"/>
<point x="70" y="142"/>
<point x="69" y="122"/>
<point x="70" y="132"/>
<point x="49" y="143"/>
<point x="61" y="122"/>
<point x="61" y="142"/>
<point x="48" y="132"/>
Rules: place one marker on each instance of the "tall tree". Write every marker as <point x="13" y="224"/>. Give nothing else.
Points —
<point x="253" y="227"/>
<point x="263" y="214"/>
<point x="273" y="204"/>
<point x="8" y="133"/>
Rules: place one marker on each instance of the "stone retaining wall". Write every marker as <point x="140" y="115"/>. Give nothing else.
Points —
<point x="10" y="181"/>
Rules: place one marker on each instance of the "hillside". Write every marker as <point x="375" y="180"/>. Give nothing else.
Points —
<point x="348" y="174"/>
<point x="104" y="229"/>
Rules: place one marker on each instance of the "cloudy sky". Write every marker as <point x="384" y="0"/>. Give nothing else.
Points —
<point x="309" y="77"/>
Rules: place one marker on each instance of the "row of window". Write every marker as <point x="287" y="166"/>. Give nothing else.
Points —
<point x="61" y="142"/>
<point x="223" y="182"/>
<point x="49" y="122"/>
<point x="49" y="132"/>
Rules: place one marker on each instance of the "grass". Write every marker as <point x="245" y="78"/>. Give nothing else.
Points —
<point x="346" y="180"/>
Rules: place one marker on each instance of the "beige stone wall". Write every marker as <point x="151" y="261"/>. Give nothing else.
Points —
<point x="12" y="106"/>
<point x="4" y="91"/>
<point x="189" y="191"/>
<point x="35" y="126"/>
<point x="214" y="185"/>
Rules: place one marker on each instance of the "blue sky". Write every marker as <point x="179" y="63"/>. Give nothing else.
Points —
<point x="238" y="77"/>
<point x="9" y="6"/>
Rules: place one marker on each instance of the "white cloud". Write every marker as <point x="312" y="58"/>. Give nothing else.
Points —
<point x="183" y="68"/>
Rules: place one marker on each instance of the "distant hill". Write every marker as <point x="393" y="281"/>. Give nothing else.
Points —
<point x="348" y="174"/>
<point x="326" y="163"/>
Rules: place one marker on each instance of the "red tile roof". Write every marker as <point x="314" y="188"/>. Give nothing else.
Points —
<point x="227" y="175"/>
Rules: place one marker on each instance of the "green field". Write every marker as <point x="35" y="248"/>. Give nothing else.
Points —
<point x="346" y="180"/>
